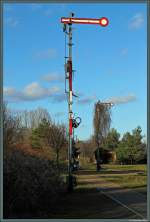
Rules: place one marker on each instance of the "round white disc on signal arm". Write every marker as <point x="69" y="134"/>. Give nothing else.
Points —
<point x="104" y="22"/>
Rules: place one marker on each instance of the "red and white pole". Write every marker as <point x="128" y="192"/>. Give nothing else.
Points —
<point x="69" y="21"/>
<point x="70" y="106"/>
<point x="70" y="96"/>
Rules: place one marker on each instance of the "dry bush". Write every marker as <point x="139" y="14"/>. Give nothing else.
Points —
<point x="31" y="184"/>
<point x="45" y="153"/>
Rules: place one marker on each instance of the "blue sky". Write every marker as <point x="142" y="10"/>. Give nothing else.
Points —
<point x="110" y="62"/>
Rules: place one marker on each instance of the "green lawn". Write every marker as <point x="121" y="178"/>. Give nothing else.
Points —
<point x="142" y="167"/>
<point x="92" y="166"/>
<point x="129" y="181"/>
<point x="135" y="177"/>
<point x="127" y="176"/>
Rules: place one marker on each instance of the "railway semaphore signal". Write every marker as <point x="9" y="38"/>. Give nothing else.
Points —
<point x="67" y="28"/>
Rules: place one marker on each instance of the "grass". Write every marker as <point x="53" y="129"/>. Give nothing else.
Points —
<point x="132" y="176"/>
<point x="126" y="167"/>
<point x="129" y="181"/>
<point x="127" y="176"/>
<point x="135" y="179"/>
<point x="140" y="167"/>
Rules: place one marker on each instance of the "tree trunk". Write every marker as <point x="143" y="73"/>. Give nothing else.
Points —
<point x="57" y="158"/>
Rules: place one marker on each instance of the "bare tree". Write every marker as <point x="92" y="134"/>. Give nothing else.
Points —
<point x="58" y="138"/>
<point x="87" y="149"/>
<point x="32" y="119"/>
<point x="101" y="122"/>
<point x="11" y="128"/>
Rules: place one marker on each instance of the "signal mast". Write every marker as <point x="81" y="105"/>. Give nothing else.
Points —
<point x="67" y="28"/>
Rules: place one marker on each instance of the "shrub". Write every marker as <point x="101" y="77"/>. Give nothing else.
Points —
<point x="30" y="185"/>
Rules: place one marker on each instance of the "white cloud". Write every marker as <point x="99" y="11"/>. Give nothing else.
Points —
<point x="46" y="54"/>
<point x="53" y="77"/>
<point x="136" y="21"/>
<point x="8" y="91"/>
<point x="11" y="22"/>
<point x="31" y="92"/>
<point x="121" y="99"/>
<point x="59" y="98"/>
<point x="87" y="100"/>
<point x="34" y="90"/>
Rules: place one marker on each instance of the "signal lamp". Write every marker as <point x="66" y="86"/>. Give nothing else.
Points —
<point x="103" y="21"/>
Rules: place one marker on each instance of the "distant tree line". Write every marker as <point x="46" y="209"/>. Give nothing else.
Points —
<point x="130" y="149"/>
<point x="35" y="128"/>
